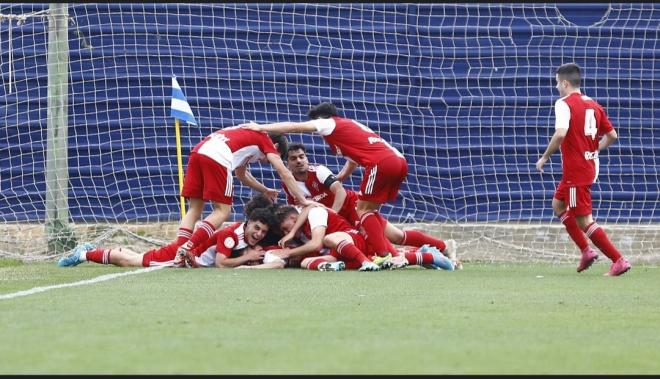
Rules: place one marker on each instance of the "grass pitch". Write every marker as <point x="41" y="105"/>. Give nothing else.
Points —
<point x="487" y="318"/>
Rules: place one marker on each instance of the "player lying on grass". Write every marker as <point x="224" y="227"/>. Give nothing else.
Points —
<point x="221" y="250"/>
<point x="327" y="237"/>
<point x="320" y="184"/>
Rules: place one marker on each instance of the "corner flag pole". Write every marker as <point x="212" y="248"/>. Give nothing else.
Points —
<point x="180" y="111"/>
<point x="179" y="162"/>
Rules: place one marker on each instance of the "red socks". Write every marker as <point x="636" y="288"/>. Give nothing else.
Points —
<point x="374" y="233"/>
<point x="574" y="230"/>
<point x="600" y="239"/>
<point x="417" y="258"/>
<point x="349" y="252"/>
<point x="182" y="236"/>
<point x="101" y="256"/>
<point x="203" y="232"/>
<point x="415" y="238"/>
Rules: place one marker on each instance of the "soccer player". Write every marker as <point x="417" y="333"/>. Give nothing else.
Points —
<point x="212" y="252"/>
<point x="582" y="130"/>
<point x="208" y="177"/>
<point x="311" y="226"/>
<point x="385" y="167"/>
<point x="320" y="184"/>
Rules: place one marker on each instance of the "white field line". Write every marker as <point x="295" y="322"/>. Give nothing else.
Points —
<point x="98" y="279"/>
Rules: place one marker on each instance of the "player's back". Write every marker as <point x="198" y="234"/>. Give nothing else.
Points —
<point x="358" y="142"/>
<point x="588" y="123"/>
<point x="233" y="146"/>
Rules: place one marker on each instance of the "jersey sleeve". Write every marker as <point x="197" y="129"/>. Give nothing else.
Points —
<point x="318" y="216"/>
<point x="562" y="114"/>
<point x="266" y="144"/>
<point x="226" y="241"/>
<point x="325" y="176"/>
<point x="324" y="126"/>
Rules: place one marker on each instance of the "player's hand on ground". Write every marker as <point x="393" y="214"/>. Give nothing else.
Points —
<point x="540" y="163"/>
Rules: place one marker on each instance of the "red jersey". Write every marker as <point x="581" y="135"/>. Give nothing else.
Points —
<point x="225" y="241"/>
<point x="234" y="146"/>
<point x="317" y="187"/>
<point x="324" y="217"/>
<point x="354" y="140"/>
<point x="587" y="123"/>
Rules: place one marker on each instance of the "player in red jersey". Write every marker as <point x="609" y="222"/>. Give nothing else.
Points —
<point x="311" y="226"/>
<point x="385" y="167"/>
<point x="320" y="184"/>
<point x="259" y="212"/>
<point x="209" y="177"/>
<point x="582" y="130"/>
<point x="223" y="249"/>
<point x="331" y="244"/>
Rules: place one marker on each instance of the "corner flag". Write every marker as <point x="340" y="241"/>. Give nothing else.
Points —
<point x="180" y="111"/>
<point x="180" y="107"/>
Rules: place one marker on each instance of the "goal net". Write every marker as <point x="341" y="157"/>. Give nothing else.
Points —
<point x="465" y="91"/>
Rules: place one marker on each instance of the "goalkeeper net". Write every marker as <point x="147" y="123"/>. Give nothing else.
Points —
<point x="465" y="91"/>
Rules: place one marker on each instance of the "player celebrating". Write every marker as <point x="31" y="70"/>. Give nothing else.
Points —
<point x="208" y="177"/>
<point x="580" y="124"/>
<point x="225" y="243"/>
<point x="385" y="167"/>
<point x="320" y="184"/>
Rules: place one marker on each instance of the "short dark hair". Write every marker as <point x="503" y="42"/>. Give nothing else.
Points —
<point x="282" y="142"/>
<point x="571" y="73"/>
<point x="265" y="216"/>
<point x="323" y="110"/>
<point x="257" y="201"/>
<point x="283" y="212"/>
<point x="293" y="147"/>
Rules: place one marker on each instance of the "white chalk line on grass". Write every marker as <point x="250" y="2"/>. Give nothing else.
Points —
<point x="98" y="279"/>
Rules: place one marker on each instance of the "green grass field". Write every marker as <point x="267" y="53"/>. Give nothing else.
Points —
<point x="489" y="319"/>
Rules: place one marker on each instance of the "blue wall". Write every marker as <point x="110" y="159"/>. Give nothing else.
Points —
<point x="464" y="90"/>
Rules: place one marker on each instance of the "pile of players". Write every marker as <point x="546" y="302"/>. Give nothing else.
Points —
<point x="323" y="227"/>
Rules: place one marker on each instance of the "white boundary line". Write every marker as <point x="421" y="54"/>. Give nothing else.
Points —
<point x="98" y="279"/>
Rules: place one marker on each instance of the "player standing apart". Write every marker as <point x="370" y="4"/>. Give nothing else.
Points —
<point x="385" y="167"/>
<point x="582" y="130"/>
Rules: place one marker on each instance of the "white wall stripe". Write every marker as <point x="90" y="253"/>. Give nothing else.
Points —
<point x="98" y="279"/>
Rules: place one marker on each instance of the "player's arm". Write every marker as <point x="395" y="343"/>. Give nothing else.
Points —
<point x="607" y="139"/>
<point x="222" y="261"/>
<point x="270" y="265"/>
<point x="314" y="244"/>
<point x="340" y="195"/>
<point x="288" y="179"/>
<point x="347" y="170"/>
<point x="244" y="175"/>
<point x="302" y="217"/>
<point x="282" y="127"/>
<point x="563" y="117"/>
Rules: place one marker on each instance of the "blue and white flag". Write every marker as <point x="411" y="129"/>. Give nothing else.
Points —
<point x="180" y="107"/>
